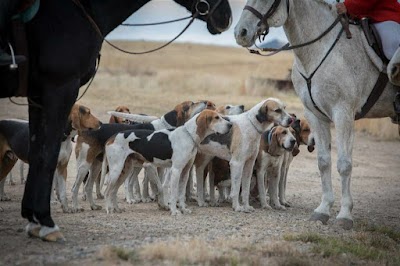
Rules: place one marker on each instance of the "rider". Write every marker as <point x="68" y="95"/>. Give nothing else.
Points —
<point x="7" y="9"/>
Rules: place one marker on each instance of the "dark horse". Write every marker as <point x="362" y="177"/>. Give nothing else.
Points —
<point x="63" y="47"/>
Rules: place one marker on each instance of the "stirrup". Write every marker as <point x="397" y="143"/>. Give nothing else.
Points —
<point x="13" y="65"/>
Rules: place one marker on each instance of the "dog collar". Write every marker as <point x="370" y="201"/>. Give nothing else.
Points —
<point x="166" y="124"/>
<point x="270" y="132"/>
<point x="260" y="131"/>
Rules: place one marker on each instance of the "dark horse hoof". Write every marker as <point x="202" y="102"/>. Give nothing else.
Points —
<point x="346" y="224"/>
<point x="316" y="216"/>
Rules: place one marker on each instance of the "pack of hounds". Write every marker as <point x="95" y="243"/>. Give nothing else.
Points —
<point x="242" y="152"/>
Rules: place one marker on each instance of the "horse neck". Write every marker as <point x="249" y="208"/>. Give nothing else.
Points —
<point x="109" y="14"/>
<point x="307" y="20"/>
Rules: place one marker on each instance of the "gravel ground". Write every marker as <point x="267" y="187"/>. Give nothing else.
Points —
<point x="91" y="234"/>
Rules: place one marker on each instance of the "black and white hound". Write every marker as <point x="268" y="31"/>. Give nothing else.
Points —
<point x="175" y="149"/>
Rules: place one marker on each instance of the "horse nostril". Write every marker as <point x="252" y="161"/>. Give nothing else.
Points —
<point x="243" y="33"/>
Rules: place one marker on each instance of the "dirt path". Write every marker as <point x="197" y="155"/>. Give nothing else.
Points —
<point x="375" y="187"/>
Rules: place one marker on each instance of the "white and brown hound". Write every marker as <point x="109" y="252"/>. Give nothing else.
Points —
<point x="163" y="148"/>
<point x="303" y="135"/>
<point x="120" y="120"/>
<point x="240" y="148"/>
<point x="14" y="145"/>
<point x="269" y="163"/>
<point x="90" y="146"/>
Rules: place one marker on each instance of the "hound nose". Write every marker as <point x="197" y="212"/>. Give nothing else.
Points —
<point x="229" y="125"/>
<point x="292" y="142"/>
<point x="243" y="33"/>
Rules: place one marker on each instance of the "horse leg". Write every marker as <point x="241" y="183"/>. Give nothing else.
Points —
<point x="323" y="143"/>
<point x="344" y="123"/>
<point x="46" y="127"/>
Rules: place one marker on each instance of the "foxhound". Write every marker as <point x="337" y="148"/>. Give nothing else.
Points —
<point x="14" y="145"/>
<point x="240" y="148"/>
<point x="119" y="120"/>
<point x="225" y="110"/>
<point x="270" y="160"/>
<point x="303" y="135"/>
<point x="89" y="147"/>
<point x="163" y="148"/>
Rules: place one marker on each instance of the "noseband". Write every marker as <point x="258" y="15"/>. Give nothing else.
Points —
<point x="263" y="27"/>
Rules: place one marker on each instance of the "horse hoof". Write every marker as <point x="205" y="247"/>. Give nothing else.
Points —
<point x="323" y="218"/>
<point x="95" y="207"/>
<point x="345" y="223"/>
<point x="33" y="230"/>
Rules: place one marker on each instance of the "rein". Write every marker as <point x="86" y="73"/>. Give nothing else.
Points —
<point x="199" y="11"/>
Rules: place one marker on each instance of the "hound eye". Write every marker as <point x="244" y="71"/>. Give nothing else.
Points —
<point x="278" y="111"/>
<point x="228" y="107"/>
<point x="284" y="133"/>
<point x="306" y="130"/>
<point x="217" y="117"/>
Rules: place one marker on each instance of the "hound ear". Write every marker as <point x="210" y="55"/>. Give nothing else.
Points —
<point x="75" y="116"/>
<point x="295" y="150"/>
<point x="274" y="147"/>
<point x="209" y="119"/>
<point x="296" y="125"/>
<point x="262" y="115"/>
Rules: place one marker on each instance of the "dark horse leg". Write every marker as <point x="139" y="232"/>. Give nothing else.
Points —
<point x="46" y="126"/>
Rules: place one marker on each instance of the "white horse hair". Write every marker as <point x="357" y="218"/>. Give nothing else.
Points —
<point x="340" y="86"/>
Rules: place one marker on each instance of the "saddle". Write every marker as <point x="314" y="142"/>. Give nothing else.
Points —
<point x="15" y="81"/>
<point x="373" y="38"/>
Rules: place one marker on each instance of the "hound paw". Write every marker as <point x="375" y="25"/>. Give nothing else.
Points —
<point x="76" y="210"/>
<point x="203" y="204"/>
<point x="278" y="207"/>
<point x="84" y="197"/>
<point x="12" y="183"/>
<point x="100" y="196"/>
<point x="147" y="200"/>
<point x="66" y="209"/>
<point x="53" y="202"/>
<point x="162" y="206"/>
<point x="176" y="213"/>
<point x="215" y="204"/>
<point x="186" y="211"/>
<point x="238" y="208"/>
<point x="248" y="209"/>
<point x="134" y="201"/>
<point x="266" y="207"/>
<point x="1" y="209"/>
<point x="285" y="203"/>
<point x="95" y="207"/>
<point x="5" y="198"/>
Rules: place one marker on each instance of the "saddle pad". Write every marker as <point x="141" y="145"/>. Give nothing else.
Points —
<point x="28" y="13"/>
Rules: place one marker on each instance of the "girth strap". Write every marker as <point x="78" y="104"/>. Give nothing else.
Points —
<point x="374" y="96"/>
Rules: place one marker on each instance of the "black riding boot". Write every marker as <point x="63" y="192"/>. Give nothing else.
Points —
<point x="7" y="9"/>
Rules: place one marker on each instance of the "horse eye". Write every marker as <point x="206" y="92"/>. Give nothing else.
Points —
<point x="228" y="107"/>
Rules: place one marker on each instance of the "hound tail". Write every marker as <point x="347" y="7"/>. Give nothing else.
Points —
<point x="134" y="117"/>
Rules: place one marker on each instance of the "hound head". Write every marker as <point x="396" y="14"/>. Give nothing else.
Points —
<point x="120" y="120"/>
<point x="210" y="122"/>
<point x="81" y="118"/>
<point x="188" y="109"/>
<point x="280" y="139"/>
<point x="230" y="109"/>
<point x="273" y="111"/>
<point x="303" y="133"/>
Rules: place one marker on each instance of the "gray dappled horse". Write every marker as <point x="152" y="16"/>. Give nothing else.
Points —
<point x="337" y="87"/>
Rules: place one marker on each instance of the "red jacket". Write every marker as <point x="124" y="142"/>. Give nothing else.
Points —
<point x="377" y="10"/>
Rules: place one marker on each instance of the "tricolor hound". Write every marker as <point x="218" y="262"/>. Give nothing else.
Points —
<point x="14" y="144"/>
<point x="240" y="148"/>
<point x="175" y="149"/>
<point x="90" y="145"/>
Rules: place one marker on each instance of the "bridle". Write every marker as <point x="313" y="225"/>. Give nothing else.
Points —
<point x="263" y="27"/>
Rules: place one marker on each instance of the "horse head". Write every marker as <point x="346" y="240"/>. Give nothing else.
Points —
<point x="216" y="13"/>
<point x="257" y="17"/>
